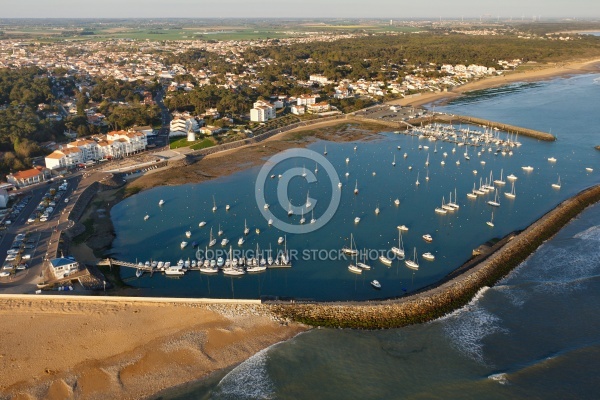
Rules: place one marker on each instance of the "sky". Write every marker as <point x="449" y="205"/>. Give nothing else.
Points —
<point x="396" y="9"/>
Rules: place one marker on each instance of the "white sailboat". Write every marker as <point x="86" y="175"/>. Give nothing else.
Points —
<point x="325" y="151"/>
<point x="441" y="210"/>
<point x="202" y="223"/>
<point x="353" y="267"/>
<point x="188" y="234"/>
<point x="397" y="202"/>
<point x="491" y="221"/>
<point x="428" y="256"/>
<point x="214" y="204"/>
<point x="494" y="202"/>
<point x="557" y="185"/>
<point x="512" y="194"/>
<point x="417" y="182"/>
<point x="312" y="216"/>
<point x="414" y="263"/>
<point x="394" y="162"/>
<point x="246" y="229"/>
<point x="350" y="251"/>
<point x="146" y="217"/>
<point x="472" y="194"/>
<point x="212" y="241"/>
<point x="161" y="202"/>
<point x="308" y="203"/>
<point x="356" y="187"/>
<point x="427" y="162"/>
<point x="500" y="181"/>
<point x="454" y="205"/>
<point x="302" y="219"/>
<point x="399" y="251"/>
<point x="303" y="171"/>
<point x="220" y="231"/>
<point x="377" y="210"/>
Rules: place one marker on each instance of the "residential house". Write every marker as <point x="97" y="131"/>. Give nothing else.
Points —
<point x="28" y="177"/>
<point x="62" y="267"/>
<point x="318" y="107"/>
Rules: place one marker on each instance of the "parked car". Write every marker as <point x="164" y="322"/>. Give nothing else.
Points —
<point x="26" y="257"/>
<point x="31" y="219"/>
<point x="4" y="274"/>
<point x="43" y="219"/>
<point x="66" y="199"/>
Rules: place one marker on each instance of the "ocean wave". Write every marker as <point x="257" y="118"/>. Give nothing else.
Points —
<point x="249" y="380"/>
<point x="475" y="299"/>
<point x="592" y="233"/>
<point x="467" y="330"/>
<point x="501" y="378"/>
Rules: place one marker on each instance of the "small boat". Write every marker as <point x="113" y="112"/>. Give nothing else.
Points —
<point x="375" y="283"/>
<point x="427" y="162"/>
<point x="224" y="242"/>
<point x="290" y="211"/>
<point x="303" y="171"/>
<point x="269" y="222"/>
<point x="355" y="147"/>
<point x="308" y="202"/>
<point x="557" y="184"/>
<point x="202" y="223"/>
<point x="528" y="168"/>
<point x="175" y="270"/>
<point x="414" y="263"/>
<point x="220" y="231"/>
<point x="312" y="218"/>
<point x="257" y="231"/>
<point x="183" y="244"/>
<point x="405" y="155"/>
<point x="457" y="162"/>
<point x="325" y="151"/>
<point x="353" y="268"/>
<point x="399" y="251"/>
<point x="212" y="241"/>
<point x="491" y="221"/>
<point x="347" y="174"/>
<point x="428" y="256"/>
<point x="280" y="240"/>
<point x="374" y="173"/>
<point x="214" y="204"/>
<point x="356" y="220"/>
<point x="394" y="162"/>
<point x="385" y="260"/>
<point x="188" y="234"/>
<point x="354" y="252"/>
<point x="146" y="217"/>
<point x="427" y="237"/>
<point x="363" y="265"/>
<point x="139" y="272"/>
<point x="442" y="162"/>
<point x="410" y="167"/>
<point x="347" y="160"/>
<point x="494" y="202"/>
<point x="227" y="207"/>
<point x="551" y="159"/>
<point x="377" y="210"/>
<point x="161" y="202"/>
<point x="427" y="175"/>
<point x="588" y="169"/>
<point x="266" y="206"/>
<point x="511" y="177"/>
<point x="302" y="219"/>
<point x="241" y="241"/>
<point x="356" y="188"/>
<point x="339" y="184"/>
<point x="273" y="176"/>
<point x="511" y="194"/>
<point x="397" y="202"/>
<point x="403" y="228"/>
<point x="417" y="182"/>
<point x="246" y="229"/>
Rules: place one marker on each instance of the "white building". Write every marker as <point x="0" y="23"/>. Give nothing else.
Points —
<point x="180" y="126"/>
<point x="62" y="267"/>
<point x="306" y="99"/>
<point x="298" y="110"/>
<point x="262" y="111"/>
<point x="319" y="79"/>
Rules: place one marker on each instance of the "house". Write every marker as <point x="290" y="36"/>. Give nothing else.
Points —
<point x="62" y="267"/>
<point x="298" y="110"/>
<point x="210" y="130"/>
<point x="319" y="79"/>
<point x="306" y="99"/>
<point x="28" y="177"/>
<point x="318" y="107"/>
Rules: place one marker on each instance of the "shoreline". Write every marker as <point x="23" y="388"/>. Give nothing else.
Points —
<point x="540" y="73"/>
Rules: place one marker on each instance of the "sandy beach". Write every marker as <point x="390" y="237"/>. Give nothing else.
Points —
<point x="536" y="72"/>
<point x="98" y="348"/>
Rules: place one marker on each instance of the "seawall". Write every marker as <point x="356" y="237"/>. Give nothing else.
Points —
<point x="448" y="295"/>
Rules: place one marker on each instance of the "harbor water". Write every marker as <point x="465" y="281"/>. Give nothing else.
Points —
<point x="320" y="273"/>
<point x="534" y="335"/>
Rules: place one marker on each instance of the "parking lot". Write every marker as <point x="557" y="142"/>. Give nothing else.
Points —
<point x="393" y="113"/>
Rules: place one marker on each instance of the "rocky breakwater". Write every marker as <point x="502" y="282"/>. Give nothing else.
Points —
<point x="447" y="296"/>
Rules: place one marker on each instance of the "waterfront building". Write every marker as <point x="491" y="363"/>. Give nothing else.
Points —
<point x="62" y="267"/>
<point x="262" y="111"/>
<point x="181" y="125"/>
<point x="28" y="177"/>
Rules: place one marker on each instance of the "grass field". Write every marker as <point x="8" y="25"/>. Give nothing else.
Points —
<point x="177" y="143"/>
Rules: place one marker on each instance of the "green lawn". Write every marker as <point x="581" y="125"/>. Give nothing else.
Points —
<point x="202" y="144"/>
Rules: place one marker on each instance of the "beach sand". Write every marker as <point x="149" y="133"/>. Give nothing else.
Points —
<point x="536" y="72"/>
<point x="98" y="348"/>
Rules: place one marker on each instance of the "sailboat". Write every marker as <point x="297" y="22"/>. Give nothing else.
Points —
<point x="362" y="264"/>
<point x="312" y="216"/>
<point x="356" y="187"/>
<point x="441" y="210"/>
<point x="417" y="182"/>
<point x="511" y="194"/>
<point x="246" y="229"/>
<point x="454" y="205"/>
<point x="399" y="251"/>
<point x="290" y="212"/>
<point x="302" y="219"/>
<point x="472" y="194"/>
<point x="414" y="263"/>
<point x="316" y="168"/>
<point x="350" y="251"/>
<point x="325" y="152"/>
<point x="427" y="175"/>
<point x="397" y="202"/>
<point x="352" y="267"/>
<point x="161" y="202"/>
<point x="377" y="210"/>
<point x="556" y="185"/>
<point x="308" y="203"/>
<point x="427" y="162"/>
<point x="394" y="162"/>
<point x="494" y="202"/>
<point x="500" y="181"/>
<point x="214" y="204"/>
<point x="220" y="231"/>
<point x="303" y="171"/>
<point x="491" y="221"/>
<point x="212" y="240"/>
